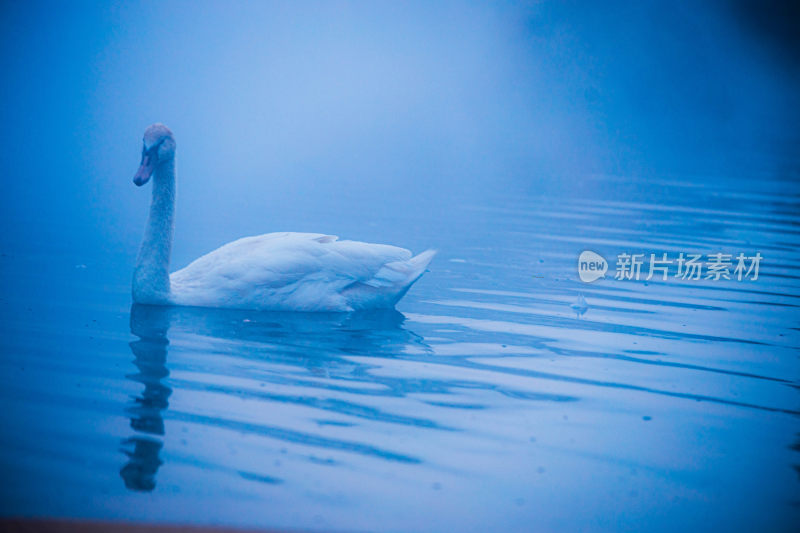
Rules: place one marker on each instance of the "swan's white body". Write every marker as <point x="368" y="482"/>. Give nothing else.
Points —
<point x="275" y="271"/>
<point x="298" y="271"/>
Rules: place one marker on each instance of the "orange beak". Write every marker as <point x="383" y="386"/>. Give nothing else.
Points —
<point x="145" y="169"/>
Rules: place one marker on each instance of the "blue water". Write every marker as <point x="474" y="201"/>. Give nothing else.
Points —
<point x="504" y="394"/>
<point x="485" y="402"/>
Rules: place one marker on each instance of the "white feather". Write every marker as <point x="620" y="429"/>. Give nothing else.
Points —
<point x="297" y="271"/>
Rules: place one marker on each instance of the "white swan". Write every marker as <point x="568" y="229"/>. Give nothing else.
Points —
<point x="275" y="271"/>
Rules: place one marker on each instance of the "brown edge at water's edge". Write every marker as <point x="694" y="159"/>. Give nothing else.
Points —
<point x="26" y="525"/>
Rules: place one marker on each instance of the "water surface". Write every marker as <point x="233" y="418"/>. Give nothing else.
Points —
<point x="487" y="401"/>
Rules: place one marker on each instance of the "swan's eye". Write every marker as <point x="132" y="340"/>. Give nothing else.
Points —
<point x="152" y="153"/>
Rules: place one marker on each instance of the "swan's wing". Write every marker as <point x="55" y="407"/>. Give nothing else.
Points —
<point x="301" y="271"/>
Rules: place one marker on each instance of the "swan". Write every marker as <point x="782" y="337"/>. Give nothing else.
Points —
<point x="275" y="271"/>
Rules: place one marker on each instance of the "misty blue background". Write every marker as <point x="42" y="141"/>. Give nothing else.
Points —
<point x="510" y="136"/>
<point x="278" y="104"/>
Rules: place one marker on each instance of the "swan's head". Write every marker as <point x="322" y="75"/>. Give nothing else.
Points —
<point x="159" y="147"/>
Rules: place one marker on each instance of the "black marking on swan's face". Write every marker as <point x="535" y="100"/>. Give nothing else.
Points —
<point x="158" y="147"/>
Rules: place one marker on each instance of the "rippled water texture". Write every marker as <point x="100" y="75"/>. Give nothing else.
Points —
<point x="486" y="402"/>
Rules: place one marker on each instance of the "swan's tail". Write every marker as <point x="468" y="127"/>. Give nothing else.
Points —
<point x="408" y="273"/>
<point x="417" y="265"/>
<point x="390" y="283"/>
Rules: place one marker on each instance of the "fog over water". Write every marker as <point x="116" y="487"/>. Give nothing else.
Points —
<point x="281" y="108"/>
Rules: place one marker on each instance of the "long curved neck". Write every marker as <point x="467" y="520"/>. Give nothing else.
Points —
<point x="151" y="276"/>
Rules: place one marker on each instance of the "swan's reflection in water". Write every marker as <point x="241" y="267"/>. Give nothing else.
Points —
<point x="313" y="341"/>
<point x="151" y="325"/>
